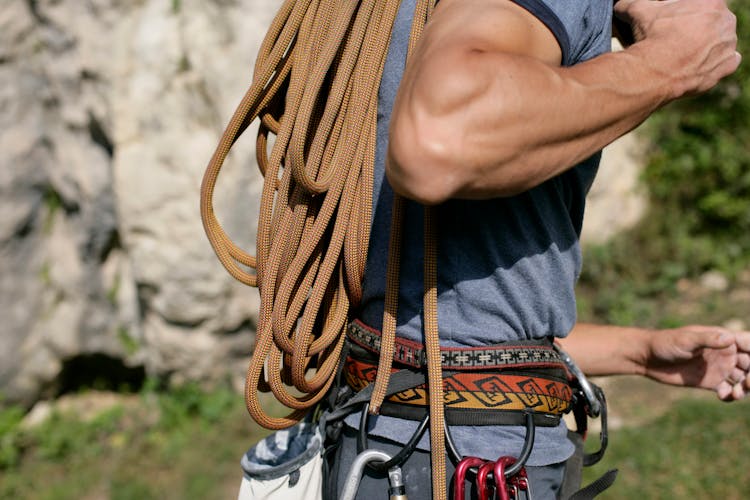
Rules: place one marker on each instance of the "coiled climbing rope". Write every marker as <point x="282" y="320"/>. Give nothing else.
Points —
<point x="314" y="91"/>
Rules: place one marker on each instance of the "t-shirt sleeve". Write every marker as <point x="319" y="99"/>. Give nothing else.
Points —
<point x="583" y="28"/>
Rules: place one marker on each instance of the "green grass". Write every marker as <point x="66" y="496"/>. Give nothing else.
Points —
<point x="186" y="445"/>
<point x="698" y="449"/>
<point x="183" y="444"/>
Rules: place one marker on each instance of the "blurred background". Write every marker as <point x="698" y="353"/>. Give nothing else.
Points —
<point x="123" y="342"/>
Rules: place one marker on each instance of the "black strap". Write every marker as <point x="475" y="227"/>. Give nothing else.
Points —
<point x="573" y="468"/>
<point x="596" y="487"/>
<point x="469" y="416"/>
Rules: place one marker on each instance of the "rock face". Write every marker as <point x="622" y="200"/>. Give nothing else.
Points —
<point x="109" y="111"/>
<point x="616" y="200"/>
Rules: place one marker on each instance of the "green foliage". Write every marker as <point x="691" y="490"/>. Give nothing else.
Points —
<point x="131" y="490"/>
<point x="698" y="180"/>
<point x="63" y="435"/>
<point x="189" y="401"/>
<point x="696" y="450"/>
<point x="699" y="172"/>
<point x="53" y="202"/>
<point x="178" y="443"/>
<point x="10" y="445"/>
<point x="114" y="290"/>
<point x="127" y="341"/>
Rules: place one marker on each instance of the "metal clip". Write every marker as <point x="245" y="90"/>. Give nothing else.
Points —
<point x="586" y="388"/>
<point x="459" y="478"/>
<point x="511" y="486"/>
<point x="396" y="490"/>
<point x="485" y="491"/>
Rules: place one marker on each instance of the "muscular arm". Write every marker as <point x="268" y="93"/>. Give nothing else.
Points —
<point x="484" y="108"/>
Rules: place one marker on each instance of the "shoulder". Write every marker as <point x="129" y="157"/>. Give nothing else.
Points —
<point x="582" y="28"/>
<point x="569" y="31"/>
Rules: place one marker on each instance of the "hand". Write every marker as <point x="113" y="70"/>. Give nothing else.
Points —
<point x="702" y="356"/>
<point x="693" y="41"/>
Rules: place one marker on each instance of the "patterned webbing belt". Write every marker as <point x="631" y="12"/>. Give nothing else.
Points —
<point x="513" y="378"/>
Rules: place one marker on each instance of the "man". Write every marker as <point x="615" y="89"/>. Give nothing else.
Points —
<point x="498" y="119"/>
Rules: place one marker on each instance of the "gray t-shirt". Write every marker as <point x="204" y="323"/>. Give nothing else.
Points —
<point x="507" y="267"/>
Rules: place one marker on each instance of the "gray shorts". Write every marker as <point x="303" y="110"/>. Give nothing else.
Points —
<point x="545" y="481"/>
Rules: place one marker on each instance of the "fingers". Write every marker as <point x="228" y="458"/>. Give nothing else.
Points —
<point x="724" y="391"/>
<point x="621" y="8"/>
<point x="743" y="341"/>
<point x="728" y="391"/>
<point x="743" y="361"/>
<point x="694" y="41"/>
<point x="740" y="390"/>
<point x="695" y="337"/>
<point x="736" y="385"/>
<point x="719" y="339"/>
<point x="736" y="376"/>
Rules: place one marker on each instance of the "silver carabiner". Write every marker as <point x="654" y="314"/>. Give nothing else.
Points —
<point x="396" y="489"/>
<point x="595" y="407"/>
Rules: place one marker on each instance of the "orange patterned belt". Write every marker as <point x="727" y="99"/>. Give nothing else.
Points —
<point x="478" y="390"/>
<point x="509" y="379"/>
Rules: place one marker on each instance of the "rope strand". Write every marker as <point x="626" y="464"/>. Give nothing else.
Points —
<point x="315" y="90"/>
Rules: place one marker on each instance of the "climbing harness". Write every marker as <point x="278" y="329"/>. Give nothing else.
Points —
<point x="489" y="385"/>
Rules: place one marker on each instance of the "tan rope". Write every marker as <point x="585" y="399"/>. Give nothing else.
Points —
<point x="314" y="91"/>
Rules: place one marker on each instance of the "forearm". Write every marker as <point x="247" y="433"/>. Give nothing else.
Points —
<point x="485" y="110"/>
<point x="707" y="357"/>
<point x="503" y="123"/>
<point x="608" y="350"/>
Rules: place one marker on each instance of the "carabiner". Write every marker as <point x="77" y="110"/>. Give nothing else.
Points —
<point x="483" y="489"/>
<point x="589" y="394"/>
<point x="459" y="477"/>
<point x="351" y="485"/>
<point x="514" y="484"/>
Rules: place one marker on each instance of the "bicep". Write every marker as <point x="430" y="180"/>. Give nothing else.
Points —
<point x="448" y="87"/>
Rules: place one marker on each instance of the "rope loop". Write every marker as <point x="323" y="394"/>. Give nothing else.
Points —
<point x="314" y="92"/>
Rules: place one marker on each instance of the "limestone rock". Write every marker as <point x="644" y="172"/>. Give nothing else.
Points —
<point x="110" y="111"/>
<point x="714" y="281"/>
<point x="616" y="201"/>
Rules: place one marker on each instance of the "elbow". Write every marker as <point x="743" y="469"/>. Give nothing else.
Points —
<point x="421" y="161"/>
<point x="430" y="167"/>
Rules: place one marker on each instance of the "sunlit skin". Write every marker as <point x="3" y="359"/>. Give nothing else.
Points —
<point x="708" y="357"/>
<point x="485" y="110"/>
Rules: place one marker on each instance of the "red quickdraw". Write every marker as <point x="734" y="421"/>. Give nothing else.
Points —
<point x="459" y="478"/>
<point x="492" y="480"/>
